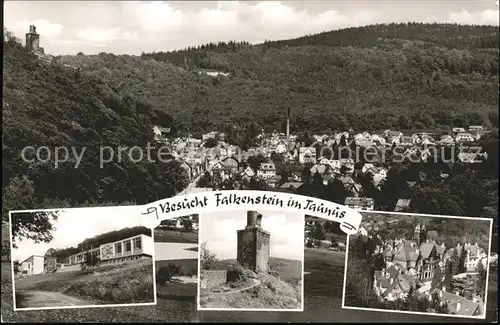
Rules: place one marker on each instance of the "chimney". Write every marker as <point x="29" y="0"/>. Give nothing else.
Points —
<point x="459" y="305"/>
<point x="441" y="293"/>
<point x="444" y="289"/>
<point x="430" y="297"/>
<point x="288" y="124"/>
<point x="442" y="244"/>
<point x="391" y="281"/>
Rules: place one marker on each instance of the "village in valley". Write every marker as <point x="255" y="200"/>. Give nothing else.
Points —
<point x="420" y="264"/>
<point x="340" y="161"/>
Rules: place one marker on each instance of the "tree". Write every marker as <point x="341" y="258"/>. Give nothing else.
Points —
<point x="455" y="264"/>
<point x="187" y="224"/>
<point x="481" y="282"/>
<point x="207" y="258"/>
<point x="36" y="226"/>
<point x="317" y="232"/>
<point x="447" y="276"/>
<point x="50" y="252"/>
<point x="211" y="143"/>
<point x="17" y="267"/>
<point x="167" y="272"/>
<point x="438" y="277"/>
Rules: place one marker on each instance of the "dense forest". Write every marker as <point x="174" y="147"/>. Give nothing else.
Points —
<point x="403" y="76"/>
<point x="56" y="106"/>
<point x="370" y="78"/>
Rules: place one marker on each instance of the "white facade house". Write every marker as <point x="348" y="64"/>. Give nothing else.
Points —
<point x="307" y="155"/>
<point x="267" y="170"/>
<point x="127" y="249"/>
<point x="464" y="137"/>
<point x="33" y="265"/>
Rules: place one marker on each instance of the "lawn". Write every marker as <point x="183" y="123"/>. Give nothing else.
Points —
<point x="289" y="270"/>
<point x="126" y="283"/>
<point x="175" y="236"/>
<point x="171" y="310"/>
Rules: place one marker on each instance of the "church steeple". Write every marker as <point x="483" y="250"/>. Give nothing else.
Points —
<point x="417" y="233"/>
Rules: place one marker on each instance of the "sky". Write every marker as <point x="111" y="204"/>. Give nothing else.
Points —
<point x="131" y="27"/>
<point x="75" y="225"/>
<point x="219" y="230"/>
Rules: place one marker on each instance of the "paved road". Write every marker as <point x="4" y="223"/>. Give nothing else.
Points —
<point x="36" y="299"/>
<point x="175" y="251"/>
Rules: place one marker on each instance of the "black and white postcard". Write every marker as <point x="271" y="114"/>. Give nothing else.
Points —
<point x="77" y="258"/>
<point x="376" y="106"/>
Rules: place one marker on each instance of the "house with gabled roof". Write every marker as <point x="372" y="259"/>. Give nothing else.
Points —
<point x="267" y="170"/>
<point x="393" y="285"/>
<point x="307" y="155"/>
<point x="474" y="254"/>
<point x="459" y="305"/>
<point x="402" y="205"/>
<point x="446" y="140"/>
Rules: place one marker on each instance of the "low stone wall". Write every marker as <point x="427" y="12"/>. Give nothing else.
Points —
<point x="213" y="279"/>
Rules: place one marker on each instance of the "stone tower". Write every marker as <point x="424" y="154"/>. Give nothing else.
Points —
<point x="254" y="244"/>
<point x="33" y="40"/>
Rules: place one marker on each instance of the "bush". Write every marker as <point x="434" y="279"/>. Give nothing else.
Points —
<point x="193" y="271"/>
<point x="166" y="272"/>
<point x="236" y="275"/>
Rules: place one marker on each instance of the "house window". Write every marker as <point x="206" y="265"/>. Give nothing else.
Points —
<point x="137" y="243"/>
<point x="128" y="246"/>
<point x="118" y="248"/>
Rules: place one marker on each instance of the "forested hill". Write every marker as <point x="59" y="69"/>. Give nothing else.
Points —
<point x="56" y="106"/>
<point x="371" y="78"/>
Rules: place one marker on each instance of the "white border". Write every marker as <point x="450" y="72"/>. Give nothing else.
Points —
<point x="73" y="307"/>
<point x="490" y="220"/>
<point x="199" y="308"/>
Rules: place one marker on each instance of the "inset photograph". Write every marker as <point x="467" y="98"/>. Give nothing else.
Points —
<point x="176" y="259"/>
<point x="251" y="260"/>
<point x="76" y="258"/>
<point x="434" y="265"/>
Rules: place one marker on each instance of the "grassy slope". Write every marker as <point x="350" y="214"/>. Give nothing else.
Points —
<point x="289" y="270"/>
<point x="132" y="283"/>
<point x="171" y="309"/>
<point x="173" y="236"/>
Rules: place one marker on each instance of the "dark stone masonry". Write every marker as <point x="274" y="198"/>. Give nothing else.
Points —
<point x="254" y="244"/>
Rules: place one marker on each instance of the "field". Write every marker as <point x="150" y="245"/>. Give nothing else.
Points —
<point x="175" y="236"/>
<point x="127" y="283"/>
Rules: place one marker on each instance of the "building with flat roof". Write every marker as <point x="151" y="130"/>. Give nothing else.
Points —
<point x="136" y="247"/>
